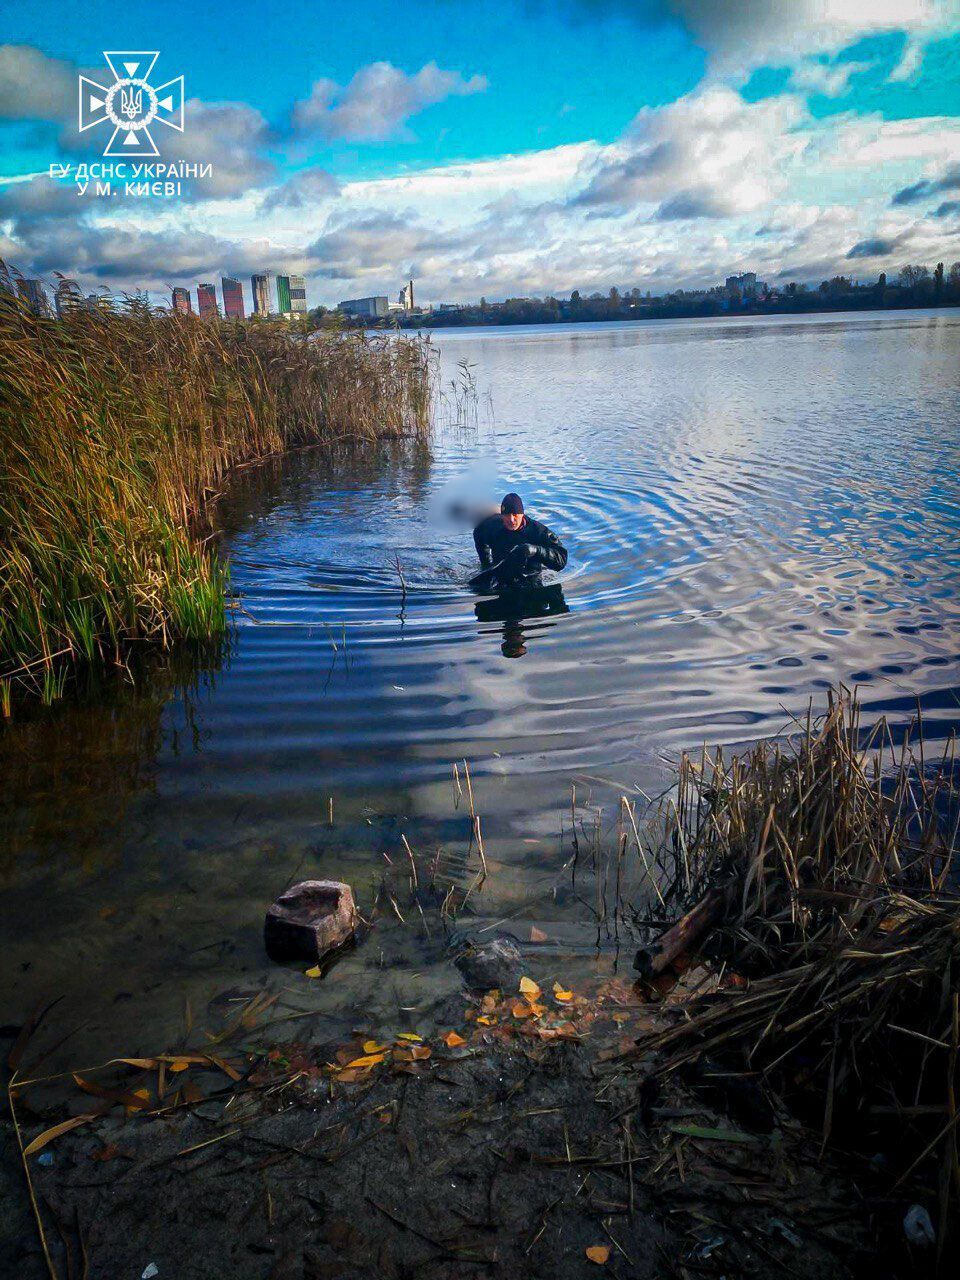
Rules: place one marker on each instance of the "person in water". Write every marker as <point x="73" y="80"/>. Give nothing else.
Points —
<point x="516" y="546"/>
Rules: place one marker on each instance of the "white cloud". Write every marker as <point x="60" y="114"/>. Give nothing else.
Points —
<point x="911" y="60"/>
<point x="741" y="34"/>
<point x="828" y="79"/>
<point x="377" y="102"/>
<point x="34" y="86"/>
<point x="709" y="154"/>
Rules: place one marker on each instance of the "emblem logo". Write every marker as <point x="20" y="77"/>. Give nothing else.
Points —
<point x="131" y="104"/>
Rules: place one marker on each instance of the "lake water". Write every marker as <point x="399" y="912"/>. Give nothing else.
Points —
<point x="753" y="510"/>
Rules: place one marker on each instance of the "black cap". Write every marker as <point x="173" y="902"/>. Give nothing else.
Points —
<point x="512" y="505"/>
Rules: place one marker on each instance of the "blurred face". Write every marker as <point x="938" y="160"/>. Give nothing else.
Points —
<point x="512" y="520"/>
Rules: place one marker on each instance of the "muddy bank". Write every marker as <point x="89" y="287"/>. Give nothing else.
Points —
<point x="514" y="1152"/>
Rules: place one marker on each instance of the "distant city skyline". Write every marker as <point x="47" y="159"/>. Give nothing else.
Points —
<point x="667" y="144"/>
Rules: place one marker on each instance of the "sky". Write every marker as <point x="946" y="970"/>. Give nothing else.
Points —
<point x="495" y="149"/>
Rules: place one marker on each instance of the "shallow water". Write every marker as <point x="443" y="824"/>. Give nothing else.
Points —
<point x="753" y="510"/>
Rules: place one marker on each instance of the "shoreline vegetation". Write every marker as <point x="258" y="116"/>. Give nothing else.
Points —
<point x="915" y="287"/>
<point x="117" y="429"/>
<point x="778" y="1094"/>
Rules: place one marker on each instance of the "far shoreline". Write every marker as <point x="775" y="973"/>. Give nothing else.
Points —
<point x="425" y="324"/>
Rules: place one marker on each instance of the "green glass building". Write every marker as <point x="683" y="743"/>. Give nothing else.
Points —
<point x="283" y="295"/>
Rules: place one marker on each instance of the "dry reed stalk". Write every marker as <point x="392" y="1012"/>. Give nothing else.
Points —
<point x="841" y="914"/>
<point x="117" y="427"/>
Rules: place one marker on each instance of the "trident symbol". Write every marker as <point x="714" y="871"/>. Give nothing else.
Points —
<point x="131" y="102"/>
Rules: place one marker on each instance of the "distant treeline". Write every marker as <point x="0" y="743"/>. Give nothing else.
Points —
<point x="914" y="286"/>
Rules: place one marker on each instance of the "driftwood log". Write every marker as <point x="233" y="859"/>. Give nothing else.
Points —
<point x="681" y="937"/>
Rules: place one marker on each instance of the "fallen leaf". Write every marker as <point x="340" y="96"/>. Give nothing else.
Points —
<point x="621" y="1017"/>
<point x="520" y="1009"/>
<point x="598" y="1253"/>
<point x="537" y="935"/>
<point x="315" y="972"/>
<point x="529" y="987"/>
<point x="453" y="1040"/>
<point x="560" y="994"/>
<point x="179" y="1064"/>
<point x="371" y="1046"/>
<point x="48" y="1135"/>
<point x="420" y="1051"/>
<point x="142" y="1097"/>
<point x="490" y="1001"/>
<point x="485" y="1022"/>
<point x="409" y="1035"/>
<point x="368" y="1060"/>
<point x="106" y="912"/>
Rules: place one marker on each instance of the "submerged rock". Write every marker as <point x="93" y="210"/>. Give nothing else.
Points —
<point x="309" y="920"/>
<point x="495" y="964"/>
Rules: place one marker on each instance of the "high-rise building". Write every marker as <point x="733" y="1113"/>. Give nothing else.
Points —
<point x="283" y="295"/>
<point x="33" y="295"/>
<point x="260" y="288"/>
<point x="232" y="298"/>
<point x="406" y="296"/>
<point x="181" y="302"/>
<point x="207" y="301"/>
<point x="298" y="295"/>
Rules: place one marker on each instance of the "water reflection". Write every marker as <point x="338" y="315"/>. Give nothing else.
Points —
<point x="752" y="511"/>
<point x="513" y="608"/>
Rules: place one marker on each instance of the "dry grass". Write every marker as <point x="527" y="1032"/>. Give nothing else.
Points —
<point x="841" y="918"/>
<point x="116" y="426"/>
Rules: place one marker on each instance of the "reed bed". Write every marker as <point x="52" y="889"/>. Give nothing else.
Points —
<point x="116" y="428"/>
<point x="830" y="862"/>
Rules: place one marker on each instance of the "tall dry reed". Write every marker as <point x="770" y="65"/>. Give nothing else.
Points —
<point x="116" y="425"/>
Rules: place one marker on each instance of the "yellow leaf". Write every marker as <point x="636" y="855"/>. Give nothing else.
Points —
<point x="485" y="1022"/>
<point x="521" y="1009"/>
<point x="315" y="972"/>
<point x="142" y="1099"/>
<point x="453" y="1040"/>
<point x="409" y="1035"/>
<point x="620" y="1017"/>
<point x="179" y="1064"/>
<point x="599" y="1253"/>
<point x="368" y="1060"/>
<point x="371" y="1046"/>
<point x="49" y="1134"/>
<point x="529" y="987"/>
<point x="560" y="994"/>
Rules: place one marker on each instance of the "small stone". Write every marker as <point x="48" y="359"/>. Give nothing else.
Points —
<point x="309" y="920"/>
<point x="495" y="964"/>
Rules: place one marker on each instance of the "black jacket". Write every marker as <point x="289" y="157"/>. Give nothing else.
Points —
<point x="525" y="552"/>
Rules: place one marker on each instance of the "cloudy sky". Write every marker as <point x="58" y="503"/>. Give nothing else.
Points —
<point x="502" y="148"/>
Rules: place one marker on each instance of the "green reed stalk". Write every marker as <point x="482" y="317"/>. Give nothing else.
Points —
<point x="117" y="426"/>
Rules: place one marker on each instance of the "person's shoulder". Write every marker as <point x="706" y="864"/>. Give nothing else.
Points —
<point x="487" y="524"/>
<point x="536" y="527"/>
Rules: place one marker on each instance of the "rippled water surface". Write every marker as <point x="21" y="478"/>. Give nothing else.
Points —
<point x="753" y="510"/>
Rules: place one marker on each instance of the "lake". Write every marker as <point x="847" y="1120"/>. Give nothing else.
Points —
<point x="753" y="509"/>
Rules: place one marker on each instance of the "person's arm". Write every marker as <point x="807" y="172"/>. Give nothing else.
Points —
<point x="547" y="549"/>
<point x="484" y="550"/>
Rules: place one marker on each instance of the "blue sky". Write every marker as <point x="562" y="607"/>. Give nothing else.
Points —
<point x="500" y="148"/>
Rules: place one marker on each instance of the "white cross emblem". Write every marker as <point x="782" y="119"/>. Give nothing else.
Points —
<point x="131" y="104"/>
